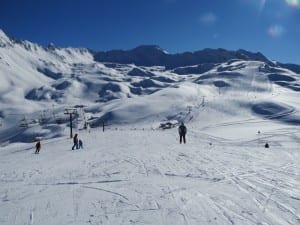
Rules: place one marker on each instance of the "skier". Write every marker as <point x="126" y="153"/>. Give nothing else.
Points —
<point x="182" y="132"/>
<point x="37" y="147"/>
<point x="75" y="141"/>
<point x="267" y="145"/>
<point x="80" y="144"/>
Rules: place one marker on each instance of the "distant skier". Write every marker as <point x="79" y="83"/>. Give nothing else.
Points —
<point x="267" y="145"/>
<point x="75" y="141"/>
<point x="182" y="132"/>
<point x="37" y="147"/>
<point x="80" y="144"/>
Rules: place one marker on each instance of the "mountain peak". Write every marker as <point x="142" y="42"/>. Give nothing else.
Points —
<point x="151" y="48"/>
<point x="51" y="47"/>
<point x="147" y="47"/>
<point x="253" y="56"/>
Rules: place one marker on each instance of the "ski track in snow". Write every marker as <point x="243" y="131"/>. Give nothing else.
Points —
<point x="157" y="181"/>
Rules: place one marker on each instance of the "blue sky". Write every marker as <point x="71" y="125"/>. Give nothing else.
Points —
<point x="269" y="26"/>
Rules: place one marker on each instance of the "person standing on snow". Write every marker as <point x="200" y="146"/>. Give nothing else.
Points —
<point x="37" y="147"/>
<point x="182" y="132"/>
<point x="80" y="144"/>
<point x="75" y="141"/>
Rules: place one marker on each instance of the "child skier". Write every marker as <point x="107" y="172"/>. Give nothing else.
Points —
<point x="80" y="144"/>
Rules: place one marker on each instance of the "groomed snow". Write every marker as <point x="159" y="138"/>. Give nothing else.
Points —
<point x="137" y="175"/>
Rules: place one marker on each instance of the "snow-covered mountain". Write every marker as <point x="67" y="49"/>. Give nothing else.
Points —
<point x="136" y="172"/>
<point x="140" y="85"/>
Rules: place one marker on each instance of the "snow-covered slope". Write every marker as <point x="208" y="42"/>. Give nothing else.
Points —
<point x="38" y="83"/>
<point x="131" y="175"/>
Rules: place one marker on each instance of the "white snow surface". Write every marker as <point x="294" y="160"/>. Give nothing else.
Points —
<point x="135" y="172"/>
<point x="133" y="175"/>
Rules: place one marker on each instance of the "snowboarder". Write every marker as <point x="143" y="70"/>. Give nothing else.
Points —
<point x="182" y="132"/>
<point x="75" y="141"/>
<point x="37" y="147"/>
<point x="80" y="144"/>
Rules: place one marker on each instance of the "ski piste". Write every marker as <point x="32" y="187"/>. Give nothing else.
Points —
<point x="148" y="177"/>
<point x="136" y="172"/>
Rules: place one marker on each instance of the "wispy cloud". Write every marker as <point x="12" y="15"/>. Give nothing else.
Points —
<point x="208" y="18"/>
<point x="293" y="3"/>
<point x="276" y="30"/>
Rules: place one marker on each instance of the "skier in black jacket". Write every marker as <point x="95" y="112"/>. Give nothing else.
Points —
<point x="182" y="133"/>
<point x="38" y="147"/>
<point x="75" y="141"/>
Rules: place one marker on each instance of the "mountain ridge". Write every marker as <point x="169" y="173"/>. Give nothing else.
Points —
<point x="154" y="55"/>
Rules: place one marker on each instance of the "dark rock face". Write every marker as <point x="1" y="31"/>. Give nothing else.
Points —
<point x="150" y="55"/>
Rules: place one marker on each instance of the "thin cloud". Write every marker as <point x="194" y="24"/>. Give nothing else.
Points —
<point x="293" y="3"/>
<point x="208" y="18"/>
<point x="276" y="31"/>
